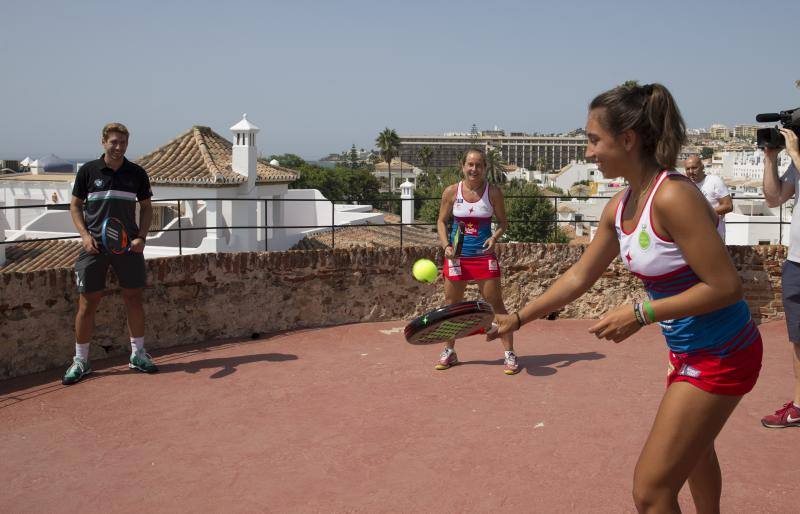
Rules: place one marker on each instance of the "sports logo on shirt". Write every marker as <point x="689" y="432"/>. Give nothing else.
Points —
<point x="98" y="182"/>
<point x="493" y="265"/>
<point x="644" y="238"/>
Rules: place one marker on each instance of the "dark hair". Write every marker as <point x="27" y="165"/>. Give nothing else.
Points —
<point x="115" y="127"/>
<point x="652" y="113"/>
<point x="474" y="150"/>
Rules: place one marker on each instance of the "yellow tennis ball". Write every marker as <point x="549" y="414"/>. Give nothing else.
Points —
<point x="425" y="270"/>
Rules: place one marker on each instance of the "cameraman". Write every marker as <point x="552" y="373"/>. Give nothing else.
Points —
<point x="777" y="191"/>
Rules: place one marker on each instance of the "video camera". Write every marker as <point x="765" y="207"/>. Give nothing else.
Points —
<point x="770" y="137"/>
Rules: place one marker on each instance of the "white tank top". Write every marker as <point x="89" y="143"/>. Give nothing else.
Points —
<point x="644" y="251"/>
<point x="480" y="209"/>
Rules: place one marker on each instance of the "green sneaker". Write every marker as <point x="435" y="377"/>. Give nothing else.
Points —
<point x="76" y="371"/>
<point x="143" y="362"/>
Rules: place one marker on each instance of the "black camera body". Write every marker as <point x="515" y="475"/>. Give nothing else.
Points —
<point x="771" y="137"/>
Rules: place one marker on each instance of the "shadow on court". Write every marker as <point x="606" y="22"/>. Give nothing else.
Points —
<point x="226" y="366"/>
<point x="544" y="365"/>
<point x="14" y="391"/>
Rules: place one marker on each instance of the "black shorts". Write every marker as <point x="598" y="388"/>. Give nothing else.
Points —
<point x="790" y="282"/>
<point x="91" y="269"/>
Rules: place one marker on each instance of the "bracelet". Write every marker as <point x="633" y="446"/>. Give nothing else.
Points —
<point x="649" y="311"/>
<point x="637" y="312"/>
<point x="519" y="321"/>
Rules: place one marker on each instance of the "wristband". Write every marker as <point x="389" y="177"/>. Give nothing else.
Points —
<point x="648" y="310"/>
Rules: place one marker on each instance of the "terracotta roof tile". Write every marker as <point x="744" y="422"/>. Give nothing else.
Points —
<point x="200" y="156"/>
<point x="377" y="236"/>
<point x="40" y="255"/>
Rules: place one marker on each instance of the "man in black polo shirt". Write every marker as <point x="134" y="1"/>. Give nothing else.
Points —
<point x="110" y="187"/>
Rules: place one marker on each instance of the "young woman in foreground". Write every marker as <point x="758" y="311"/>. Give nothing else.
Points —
<point x="665" y="233"/>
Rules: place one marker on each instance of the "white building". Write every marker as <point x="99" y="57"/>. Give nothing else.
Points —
<point x="747" y="165"/>
<point x="583" y="171"/>
<point x="214" y="184"/>
<point x="400" y="171"/>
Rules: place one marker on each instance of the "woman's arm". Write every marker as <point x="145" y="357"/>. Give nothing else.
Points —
<point x="575" y="281"/>
<point x="498" y="204"/>
<point x="445" y="212"/>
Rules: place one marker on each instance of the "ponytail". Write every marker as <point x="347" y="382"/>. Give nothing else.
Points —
<point x="652" y="113"/>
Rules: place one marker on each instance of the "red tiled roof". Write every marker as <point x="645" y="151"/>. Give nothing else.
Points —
<point x="200" y="156"/>
<point x="39" y="255"/>
<point x="377" y="236"/>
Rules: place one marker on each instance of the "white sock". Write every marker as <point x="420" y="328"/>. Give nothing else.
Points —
<point x="509" y="353"/>
<point x="82" y="350"/>
<point x="448" y="351"/>
<point x="137" y="344"/>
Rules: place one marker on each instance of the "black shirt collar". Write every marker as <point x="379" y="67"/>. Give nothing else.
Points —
<point x="104" y="166"/>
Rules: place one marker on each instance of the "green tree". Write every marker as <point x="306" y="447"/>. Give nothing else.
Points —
<point x="425" y="155"/>
<point x="494" y="167"/>
<point x="706" y="152"/>
<point x="630" y="83"/>
<point x="542" y="164"/>
<point x="352" y="157"/>
<point x="288" y="160"/>
<point x="339" y="183"/>
<point x="531" y="219"/>
<point x="388" y="143"/>
<point x="429" y="193"/>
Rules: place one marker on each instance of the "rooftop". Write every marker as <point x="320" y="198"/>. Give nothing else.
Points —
<point x="40" y="255"/>
<point x="375" y="236"/>
<point x="200" y="156"/>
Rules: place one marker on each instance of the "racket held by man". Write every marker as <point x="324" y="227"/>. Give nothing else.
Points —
<point x="114" y="236"/>
<point x="452" y="321"/>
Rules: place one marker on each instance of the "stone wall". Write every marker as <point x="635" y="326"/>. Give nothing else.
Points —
<point x="197" y="298"/>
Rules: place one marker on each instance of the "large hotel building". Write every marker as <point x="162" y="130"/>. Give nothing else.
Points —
<point x="524" y="150"/>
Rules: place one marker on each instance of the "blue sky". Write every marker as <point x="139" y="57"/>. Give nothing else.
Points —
<point x="317" y="77"/>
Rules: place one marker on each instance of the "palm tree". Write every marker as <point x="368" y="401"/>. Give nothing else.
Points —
<point x="425" y="155"/>
<point x="389" y="146"/>
<point x="494" y="166"/>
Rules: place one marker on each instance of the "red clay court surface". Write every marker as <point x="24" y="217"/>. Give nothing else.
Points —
<point x="353" y="419"/>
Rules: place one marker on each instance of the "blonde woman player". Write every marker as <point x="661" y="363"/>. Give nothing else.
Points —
<point x="472" y="203"/>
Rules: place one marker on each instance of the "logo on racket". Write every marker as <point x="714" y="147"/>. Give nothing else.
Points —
<point x="114" y="236"/>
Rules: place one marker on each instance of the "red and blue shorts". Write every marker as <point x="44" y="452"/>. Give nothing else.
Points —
<point x="733" y="374"/>
<point x="472" y="268"/>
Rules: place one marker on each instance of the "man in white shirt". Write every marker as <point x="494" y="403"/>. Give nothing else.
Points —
<point x="712" y="187"/>
<point x="778" y="190"/>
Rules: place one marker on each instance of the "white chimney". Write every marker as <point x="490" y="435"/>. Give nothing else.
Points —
<point x="407" y="200"/>
<point x="243" y="160"/>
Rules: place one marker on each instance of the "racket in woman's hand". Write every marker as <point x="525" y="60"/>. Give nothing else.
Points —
<point x="452" y="321"/>
<point x="458" y="239"/>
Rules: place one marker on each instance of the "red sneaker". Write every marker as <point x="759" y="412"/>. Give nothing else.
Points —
<point x="786" y="416"/>
<point x="446" y="359"/>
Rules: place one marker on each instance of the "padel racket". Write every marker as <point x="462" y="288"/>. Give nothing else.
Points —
<point x="458" y="239"/>
<point x="450" y="322"/>
<point x="114" y="237"/>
